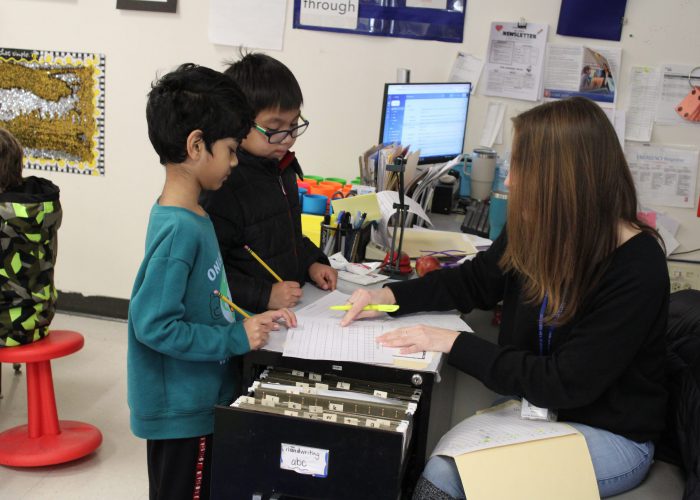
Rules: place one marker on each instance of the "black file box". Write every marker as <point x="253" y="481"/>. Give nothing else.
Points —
<point x="363" y="462"/>
<point x="234" y="432"/>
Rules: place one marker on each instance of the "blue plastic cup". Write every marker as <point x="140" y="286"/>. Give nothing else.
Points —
<point x="498" y="211"/>
<point x="314" y="204"/>
<point x="302" y="192"/>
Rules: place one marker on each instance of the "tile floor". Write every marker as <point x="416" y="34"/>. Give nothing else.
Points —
<point x="90" y="386"/>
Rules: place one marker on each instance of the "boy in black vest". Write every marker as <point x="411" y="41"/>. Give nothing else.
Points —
<point x="258" y="205"/>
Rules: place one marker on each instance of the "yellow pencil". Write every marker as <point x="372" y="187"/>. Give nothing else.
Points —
<point x="262" y="263"/>
<point x="231" y="304"/>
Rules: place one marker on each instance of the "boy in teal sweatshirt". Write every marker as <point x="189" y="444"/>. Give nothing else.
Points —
<point x="181" y="335"/>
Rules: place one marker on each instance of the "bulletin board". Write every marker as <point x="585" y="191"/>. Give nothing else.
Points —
<point x="53" y="102"/>
<point x="401" y="19"/>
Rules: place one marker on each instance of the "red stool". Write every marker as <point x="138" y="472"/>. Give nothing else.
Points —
<point x="45" y="440"/>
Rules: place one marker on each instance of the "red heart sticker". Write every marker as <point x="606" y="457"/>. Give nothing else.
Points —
<point x="499" y="27"/>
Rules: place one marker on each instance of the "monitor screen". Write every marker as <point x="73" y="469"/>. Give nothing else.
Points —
<point x="431" y="117"/>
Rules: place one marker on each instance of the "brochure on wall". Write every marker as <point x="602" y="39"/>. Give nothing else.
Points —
<point x="675" y="86"/>
<point x="663" y="175"/>
<point x="466" y="68"/>
<point x="575" y="70"/>
<point x="515" y="60"/>
<point x="643" y="96"/>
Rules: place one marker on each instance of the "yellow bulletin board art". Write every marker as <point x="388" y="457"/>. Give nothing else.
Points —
<point x="54" y="103"/>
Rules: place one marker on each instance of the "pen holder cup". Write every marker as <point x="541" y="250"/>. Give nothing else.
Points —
<point x="351" y="242"/>
<point x="314" y="204"/>
<point x="498" y="211"/>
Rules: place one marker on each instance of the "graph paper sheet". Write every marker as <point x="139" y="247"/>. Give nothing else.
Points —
<point x="316" y="338"/>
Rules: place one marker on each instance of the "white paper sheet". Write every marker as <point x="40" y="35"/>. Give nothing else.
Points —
<point x="320" y="308"/>
<point x="670" y="242"/>
<point x="493" y="124"/>
<point x="663" y="175"/>
<point x="315" y="338"/>
<point x="620" y="125"/>
<point x="515" y="60"/>
<point x="321" y="333"/>
<point x="674" y="88"/>
<point x="466" y="68"/>
<point x="497" y="426"/>
<point x="247" y="23"/>
<point x="643" y="98"/>
<point x="386" y="199"/>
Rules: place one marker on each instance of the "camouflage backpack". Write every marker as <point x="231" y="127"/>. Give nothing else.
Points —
<point x="30" y="216"/>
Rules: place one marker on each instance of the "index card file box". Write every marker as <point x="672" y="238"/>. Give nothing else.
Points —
<point x="363" y="462"/>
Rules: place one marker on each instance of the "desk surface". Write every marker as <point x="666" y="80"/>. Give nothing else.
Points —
<point x="312" y="293"/>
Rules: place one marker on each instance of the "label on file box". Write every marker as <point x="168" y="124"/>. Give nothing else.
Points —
<point x="304" y="460"/>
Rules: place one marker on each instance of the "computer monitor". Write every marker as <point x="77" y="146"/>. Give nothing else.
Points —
<point x="431" y="117"/>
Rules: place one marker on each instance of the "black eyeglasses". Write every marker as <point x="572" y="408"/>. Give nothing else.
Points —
<point x="278" y="136"/>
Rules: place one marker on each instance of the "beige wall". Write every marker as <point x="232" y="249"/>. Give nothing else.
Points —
<point x="342" y="77"/>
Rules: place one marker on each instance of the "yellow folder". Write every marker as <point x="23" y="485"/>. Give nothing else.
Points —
<point x="549" y="469"/>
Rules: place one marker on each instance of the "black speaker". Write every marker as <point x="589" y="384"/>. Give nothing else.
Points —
<point x="443" y="197"/>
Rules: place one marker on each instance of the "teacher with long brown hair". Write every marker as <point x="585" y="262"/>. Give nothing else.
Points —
<point x="585" y="290"/>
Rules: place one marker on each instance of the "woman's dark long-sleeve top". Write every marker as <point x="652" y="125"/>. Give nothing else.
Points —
<point x="605" y="367"/>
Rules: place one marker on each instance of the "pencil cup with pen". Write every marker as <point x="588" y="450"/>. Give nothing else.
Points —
<point x="343" y="237"/>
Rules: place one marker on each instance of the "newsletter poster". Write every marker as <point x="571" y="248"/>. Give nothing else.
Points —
<point x="515" y="60"/>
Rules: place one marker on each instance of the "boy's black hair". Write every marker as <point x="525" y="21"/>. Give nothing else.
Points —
<point x="194" y="98"/>
<point x="266" y="82"/>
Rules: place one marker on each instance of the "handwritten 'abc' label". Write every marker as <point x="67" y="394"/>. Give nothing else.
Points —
<point x="304" y="460"/>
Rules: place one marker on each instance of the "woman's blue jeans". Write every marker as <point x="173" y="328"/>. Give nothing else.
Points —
<point x="619" y="463"/>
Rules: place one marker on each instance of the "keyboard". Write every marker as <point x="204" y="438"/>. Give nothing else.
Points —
<point x="476" y="219"/>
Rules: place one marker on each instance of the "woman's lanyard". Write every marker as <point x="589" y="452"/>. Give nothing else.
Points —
<point x="540" y="326"/>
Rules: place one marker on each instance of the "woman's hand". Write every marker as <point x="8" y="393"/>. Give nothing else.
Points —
<point x="360" y="298"/>
<point x="258" y="327"/>
<point x="419" y="338"/>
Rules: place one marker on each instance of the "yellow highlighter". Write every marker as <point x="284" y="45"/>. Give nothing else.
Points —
<point x="387" y="308"/>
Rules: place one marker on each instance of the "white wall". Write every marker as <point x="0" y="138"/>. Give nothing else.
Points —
<point x="342" y="77"/>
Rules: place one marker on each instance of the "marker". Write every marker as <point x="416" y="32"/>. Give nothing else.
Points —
<point x="369" y="307"/>
<point x="231" y="304"/>
<point x="262" y="263"/>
